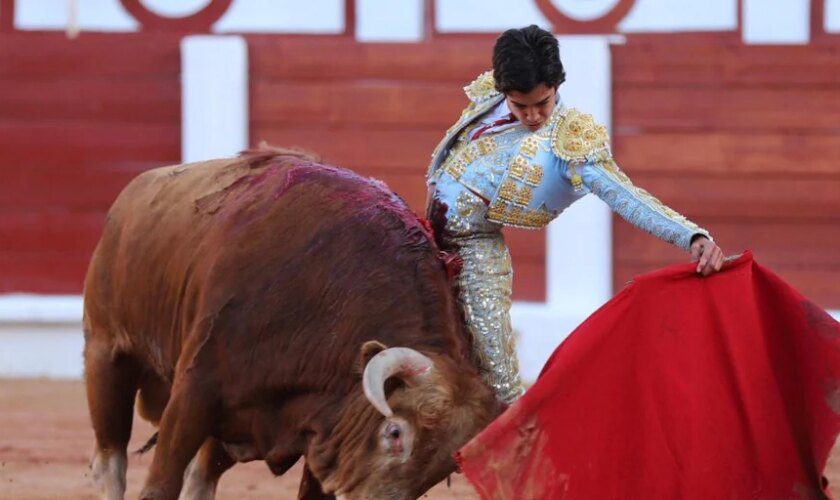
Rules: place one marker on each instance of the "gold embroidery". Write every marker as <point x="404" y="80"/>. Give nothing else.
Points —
<point x="496" y="213"/>
<point x="573" y="145"/>
<point x="529" y="147"/>
<point x="486" y="146"/>
<point x="470" y="154"/>
<point x="514" y="216"/>
<point x="464" y="154"/>
<point x="525" y="172"/>
<point x="482" y="88"/>
<point x="519" y="168"/>
<point x="456" y="168"/>
<point x="537" y="218"/>
<point x="535" y="175"/>
<point x="454" y="164"/>
<point x="576" y="136"/>
<point x="507" y="191"/>
<point x="523" y="196"/>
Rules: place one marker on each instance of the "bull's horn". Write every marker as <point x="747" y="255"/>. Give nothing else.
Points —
<point x="408" y="364"/>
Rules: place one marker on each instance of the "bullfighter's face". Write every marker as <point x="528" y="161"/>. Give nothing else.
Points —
<point x="533" y="108"/>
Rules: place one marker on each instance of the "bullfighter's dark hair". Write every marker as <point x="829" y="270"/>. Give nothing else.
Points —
<point x="523" y="58"/>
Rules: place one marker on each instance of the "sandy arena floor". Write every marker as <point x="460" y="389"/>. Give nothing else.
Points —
<point x="46" y="442"/>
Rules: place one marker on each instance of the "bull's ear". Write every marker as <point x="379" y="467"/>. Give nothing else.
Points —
<point x="369" y="349"/>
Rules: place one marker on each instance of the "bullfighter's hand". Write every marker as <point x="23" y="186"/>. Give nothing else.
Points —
<point x="707" y="254"/>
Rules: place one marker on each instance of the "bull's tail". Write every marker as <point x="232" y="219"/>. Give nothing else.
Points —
<point x="148" y="446"/>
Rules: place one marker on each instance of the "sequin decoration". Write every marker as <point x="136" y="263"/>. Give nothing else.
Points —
<point x="639" y="207"/>
<point x="485" y="284"/>
<point x="523" y="196"/>
<point x="513" y="216"/>
<point x="507" y="191"/>
<point x="518" y="168"/>
<point x="482" y="88"/>
<point x="535" y="175"/>
<point x="463" y="154"/>
<point x="468" y="214"/>
<point x="576" y="136"/>
<point x="529" y="146"/>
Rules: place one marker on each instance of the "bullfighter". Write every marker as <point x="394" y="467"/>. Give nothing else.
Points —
<point x="517" y="157"/>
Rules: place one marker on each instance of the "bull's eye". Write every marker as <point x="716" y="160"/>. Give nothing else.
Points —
<point x="394" y="431"/>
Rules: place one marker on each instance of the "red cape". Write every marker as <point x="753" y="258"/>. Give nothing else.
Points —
<point x="679" y="387"/>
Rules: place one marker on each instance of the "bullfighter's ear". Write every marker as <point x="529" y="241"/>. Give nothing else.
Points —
<point x="369" y="349"/>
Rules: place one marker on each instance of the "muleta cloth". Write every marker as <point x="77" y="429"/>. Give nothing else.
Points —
<point x="680" y="387"/>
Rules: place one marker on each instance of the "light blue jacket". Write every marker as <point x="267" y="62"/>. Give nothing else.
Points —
<point x="529" y="178"/>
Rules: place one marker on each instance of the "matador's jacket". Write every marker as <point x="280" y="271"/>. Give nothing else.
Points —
<point x="520" y="178"/>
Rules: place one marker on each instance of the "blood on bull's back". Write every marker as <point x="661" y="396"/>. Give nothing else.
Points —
<point x="270" y="307"/>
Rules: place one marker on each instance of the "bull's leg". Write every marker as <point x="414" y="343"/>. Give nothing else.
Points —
<point x="186" y="424"/>
<point x="310" y="487"/>
<point x="111" y="381"/>
<point x="205" y="469"/>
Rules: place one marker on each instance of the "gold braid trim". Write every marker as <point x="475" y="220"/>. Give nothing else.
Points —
<point x="482" y="88"/>
<point x="576" y="136"/>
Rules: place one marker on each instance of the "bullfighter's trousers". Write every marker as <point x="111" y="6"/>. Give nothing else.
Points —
<point x="484" y="284"/>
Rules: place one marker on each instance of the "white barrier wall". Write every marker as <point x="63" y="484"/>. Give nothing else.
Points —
<point x="765" y="21"/>
<point x="41" y="336"/>
<point x="214" y="97"/>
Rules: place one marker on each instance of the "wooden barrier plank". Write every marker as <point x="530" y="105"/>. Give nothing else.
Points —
<point x="310" y="105"/>
<point x="54" y="272"/>
<point x="48" y="55"/>
<point x="54" y="230"/>
<point x="149" y="101"/>
<point x="287" y="59"/>
<point x="63" y="187"/>
<point x="753" y="110"/>
<point x="793" y="198"/>
<point x="526" y="245"/>
<point x="71" y="144"/>
<point x="709" y="64"/>
<point x="805" y="242"/>
<point x="371" y="150"/>
<point x="761" y="154"/>
<point x="528" y="282"/>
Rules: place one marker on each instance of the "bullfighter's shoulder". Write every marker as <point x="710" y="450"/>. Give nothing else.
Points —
<point x="482" y="88"/>
<point x="576" y="136"/>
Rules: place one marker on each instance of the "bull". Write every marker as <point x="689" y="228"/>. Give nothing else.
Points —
<point x="268" y="307"/>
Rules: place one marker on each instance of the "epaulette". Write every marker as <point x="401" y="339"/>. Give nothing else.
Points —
<point x="482" y="88"/>
<point x="576" y="136"/>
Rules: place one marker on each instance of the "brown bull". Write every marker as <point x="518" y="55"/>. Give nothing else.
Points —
<point x="250" y="302"/>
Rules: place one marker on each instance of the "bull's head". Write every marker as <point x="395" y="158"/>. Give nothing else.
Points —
<point x="405" y="446"/>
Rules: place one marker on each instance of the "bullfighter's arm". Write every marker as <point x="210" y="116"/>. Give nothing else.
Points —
<point x="582" y="147"/>
<point x="602" y="177"/>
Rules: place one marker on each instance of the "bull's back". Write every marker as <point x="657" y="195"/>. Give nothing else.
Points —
<point x="138" y="278"/>
<point x="262" y="247"/>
